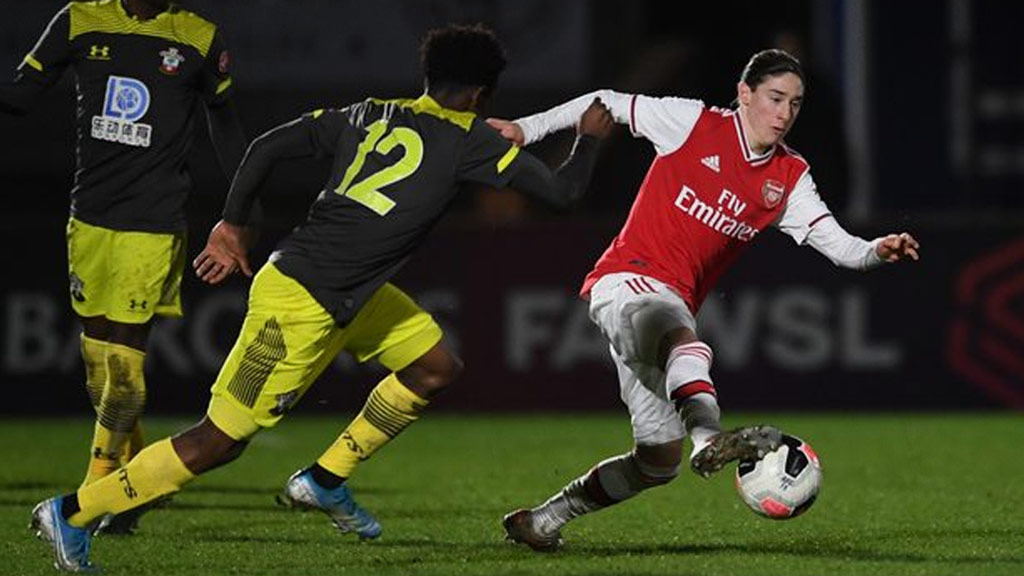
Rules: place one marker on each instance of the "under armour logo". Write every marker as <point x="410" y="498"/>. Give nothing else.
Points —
<point x="135" y="304"/>
<point x="99" y="454"/>
<point x="99" y="52"/>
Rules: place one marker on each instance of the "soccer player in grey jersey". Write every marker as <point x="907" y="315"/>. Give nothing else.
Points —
<point x="398" y="164"/>
<point x="140" y="67"/>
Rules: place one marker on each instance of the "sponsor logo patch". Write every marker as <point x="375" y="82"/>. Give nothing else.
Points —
<point x="126" y="102"/>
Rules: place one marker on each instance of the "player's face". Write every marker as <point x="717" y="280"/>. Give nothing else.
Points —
<point x="771" y="108"/>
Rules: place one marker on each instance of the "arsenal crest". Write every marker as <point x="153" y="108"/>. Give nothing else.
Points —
<point x="772" y="192"/>
<point x="172" y="59"/>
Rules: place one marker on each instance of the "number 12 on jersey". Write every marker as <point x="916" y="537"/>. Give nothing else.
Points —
<point x="379" y="139"/>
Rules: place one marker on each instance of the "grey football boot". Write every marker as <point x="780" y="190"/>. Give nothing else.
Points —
<point x="747" y="443"/>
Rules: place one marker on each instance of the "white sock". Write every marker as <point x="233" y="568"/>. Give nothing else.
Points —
<point x="612" y="481"/>
<point x="688" y="370"/>
<point x="700" y="415"/>
<point x="688" y="383"/>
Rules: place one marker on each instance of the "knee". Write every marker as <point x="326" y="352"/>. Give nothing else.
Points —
<point x="440" y="376"/>
<point x="132" y="335"/>
<point x="657" y="475"/>
<point x="204" y="447"/>
<point x="97" y="327"/>
<point x="432" y="373"/>
<point x="657" y="465"/>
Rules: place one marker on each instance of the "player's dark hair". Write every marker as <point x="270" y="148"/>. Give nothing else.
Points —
<point x="768" y="63"/>
<point x="460" y="55"/>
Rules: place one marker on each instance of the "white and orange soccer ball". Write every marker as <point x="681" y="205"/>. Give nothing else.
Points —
<point x="784" y="483"/>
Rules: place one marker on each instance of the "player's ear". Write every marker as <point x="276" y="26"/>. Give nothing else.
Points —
<point x="743" y="93"/>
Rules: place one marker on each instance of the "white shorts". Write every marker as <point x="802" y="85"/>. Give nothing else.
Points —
<point x="634" y="312"/>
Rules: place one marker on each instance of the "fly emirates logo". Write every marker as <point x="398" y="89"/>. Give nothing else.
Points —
<point x="723" y="217"/>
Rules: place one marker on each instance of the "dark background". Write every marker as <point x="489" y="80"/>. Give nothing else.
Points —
<point x="912" y="121"/>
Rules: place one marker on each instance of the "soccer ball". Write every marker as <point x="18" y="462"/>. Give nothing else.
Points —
<point x="784" y="483"/>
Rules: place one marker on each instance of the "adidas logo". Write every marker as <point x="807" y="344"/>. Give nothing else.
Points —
<point x="711" y="162"/>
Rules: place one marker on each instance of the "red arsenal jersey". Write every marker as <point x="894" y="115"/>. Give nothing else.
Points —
<point x="706" y="196"/>
<point x="702" y="203"/>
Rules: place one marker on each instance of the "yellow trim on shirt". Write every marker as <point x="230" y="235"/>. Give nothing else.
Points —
<point x="224" y="85"/>
<point x="31" y="61"/>
<point x="507" y="158"/>
<point x="427" y="105"/>
<point x="109" y="17"/>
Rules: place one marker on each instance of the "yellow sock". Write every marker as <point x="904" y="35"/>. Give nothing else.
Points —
<point x="94" y="356"/>
<point x="389" y="409"/>
<point x="124" y="397"/>
<point x="136" y="443"/>
<point x="102" y="462"/>
<point x="155" y="472"/>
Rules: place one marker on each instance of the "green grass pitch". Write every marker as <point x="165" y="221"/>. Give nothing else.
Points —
<point x="903" y="494"/>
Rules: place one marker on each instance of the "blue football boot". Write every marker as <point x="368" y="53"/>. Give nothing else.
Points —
<point x="70" y="544"/>
<point x="301" y="491"/>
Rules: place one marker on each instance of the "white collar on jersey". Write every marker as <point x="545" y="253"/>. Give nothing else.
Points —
<point x="748" y="154"/>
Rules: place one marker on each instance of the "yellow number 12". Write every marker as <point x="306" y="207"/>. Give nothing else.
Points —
<point x="367" y="191"/>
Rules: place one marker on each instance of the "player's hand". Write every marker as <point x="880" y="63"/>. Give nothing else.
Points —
<point x="225" y="253"/>
<point x="509" y="130"/>
<point x="596" y="121"/>
<point x="896" y="247"/>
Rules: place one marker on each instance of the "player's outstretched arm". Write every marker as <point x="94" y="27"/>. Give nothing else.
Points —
<point x="808" y="220"/>
<point x="566" y="186"/>
<point x="530" y="129"/>
<point x="849" y="251"/>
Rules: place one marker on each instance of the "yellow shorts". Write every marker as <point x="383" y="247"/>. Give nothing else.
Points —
<point x="125" y="276"/>
<point x="287" y="340"/>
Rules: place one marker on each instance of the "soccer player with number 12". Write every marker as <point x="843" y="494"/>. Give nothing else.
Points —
<point x="397" y="167"/>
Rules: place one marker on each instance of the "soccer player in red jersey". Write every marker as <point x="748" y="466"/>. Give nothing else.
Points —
<point x="720" y="177"/>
